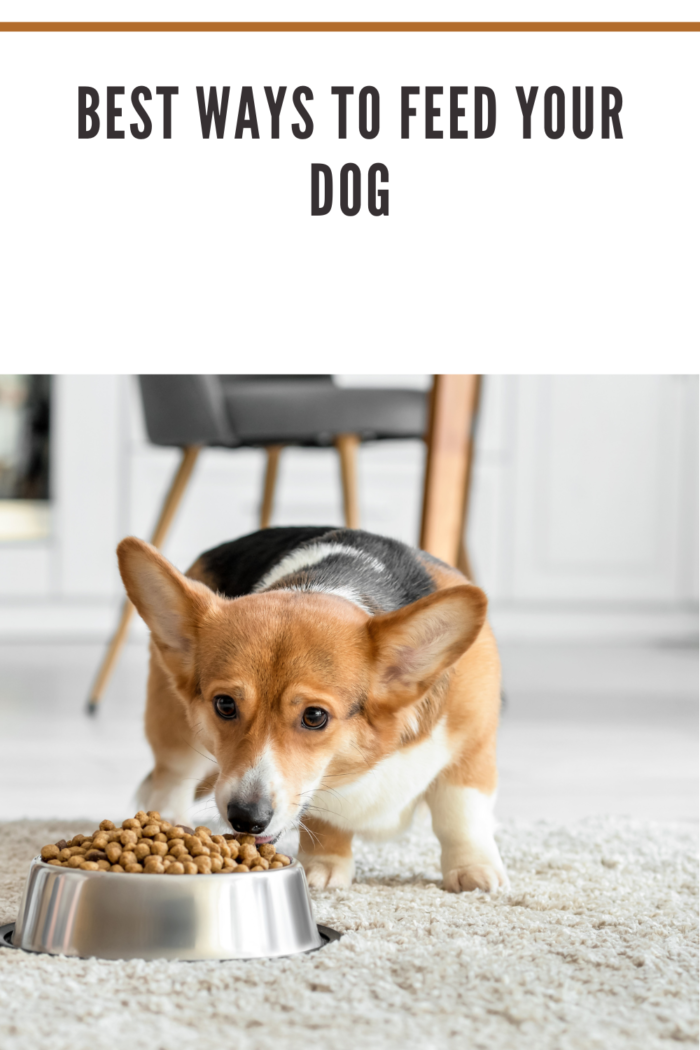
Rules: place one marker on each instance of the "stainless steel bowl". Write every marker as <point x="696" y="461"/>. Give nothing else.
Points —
<point x="118" y="916"/>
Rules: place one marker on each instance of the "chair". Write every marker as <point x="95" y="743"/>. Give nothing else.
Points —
<point x="273" y="411"/>
<point x="192" y="412"/>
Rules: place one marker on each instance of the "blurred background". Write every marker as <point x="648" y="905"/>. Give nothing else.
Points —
<point x="582" y="527"/>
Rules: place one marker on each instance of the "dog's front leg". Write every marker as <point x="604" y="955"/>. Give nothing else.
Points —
<point x="326" y="853"/>
<point x="463" y="821"/>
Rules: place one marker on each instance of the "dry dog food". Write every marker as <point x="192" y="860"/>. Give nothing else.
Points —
<point x="150" y="845"/>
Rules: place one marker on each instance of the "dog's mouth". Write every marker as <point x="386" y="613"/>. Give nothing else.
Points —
<point x="262" y="840"/>
<point x="265" y="840"/>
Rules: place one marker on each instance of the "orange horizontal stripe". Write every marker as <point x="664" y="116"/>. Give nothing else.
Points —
<point x="349" y="27"/>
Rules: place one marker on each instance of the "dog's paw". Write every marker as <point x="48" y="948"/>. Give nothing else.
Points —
<point x="328" y="872"/>
<point x="476" y="876"/>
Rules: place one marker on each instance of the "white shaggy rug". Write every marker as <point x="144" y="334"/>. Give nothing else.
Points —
<point x="594" y="947"/>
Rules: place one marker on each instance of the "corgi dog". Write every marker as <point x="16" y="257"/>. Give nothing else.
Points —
<point x="327" y="680"/>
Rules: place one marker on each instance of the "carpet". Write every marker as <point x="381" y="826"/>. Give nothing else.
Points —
<point x="595" y="946"/>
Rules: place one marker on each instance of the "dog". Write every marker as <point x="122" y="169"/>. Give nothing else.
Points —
<point x="327" y="680"/>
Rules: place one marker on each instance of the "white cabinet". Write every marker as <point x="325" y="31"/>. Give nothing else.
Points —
<point x="89" y="510"/>
<point x="599" y="485"/>
<point x="585" y="493"/>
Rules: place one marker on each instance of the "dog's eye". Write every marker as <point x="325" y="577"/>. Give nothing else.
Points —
<point x="225" y="706"/>
<point x="314" y="718"/>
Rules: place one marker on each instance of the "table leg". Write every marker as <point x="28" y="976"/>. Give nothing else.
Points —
<point x="453" y="405"/>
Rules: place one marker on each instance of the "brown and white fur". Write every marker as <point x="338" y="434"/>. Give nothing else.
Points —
<point x="290" y="621"/>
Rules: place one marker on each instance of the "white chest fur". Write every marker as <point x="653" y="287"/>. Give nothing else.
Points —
<point x="382" y="801"/>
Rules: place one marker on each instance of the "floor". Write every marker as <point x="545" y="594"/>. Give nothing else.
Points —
<point x="587" y="730"/>
<point x="594" y="948"/>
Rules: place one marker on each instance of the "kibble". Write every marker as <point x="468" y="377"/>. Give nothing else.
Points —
<point x="147" y="844"/>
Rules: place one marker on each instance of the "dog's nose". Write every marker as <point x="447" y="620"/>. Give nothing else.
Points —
<point x="250" y="819"/>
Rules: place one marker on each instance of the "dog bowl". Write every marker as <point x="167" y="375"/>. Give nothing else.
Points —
<point x="111" y="915"/>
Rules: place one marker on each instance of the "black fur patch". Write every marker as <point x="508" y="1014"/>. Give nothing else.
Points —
<point x="235" y="567"/>
<point x="385" y="574"/>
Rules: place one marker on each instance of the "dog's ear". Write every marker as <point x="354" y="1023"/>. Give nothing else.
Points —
<point x="171" y="605"/>
<point x="415" y="644"/>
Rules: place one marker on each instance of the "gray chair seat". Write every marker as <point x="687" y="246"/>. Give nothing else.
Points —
<point x="231" y="411"/>
<point x="313" y="413"/>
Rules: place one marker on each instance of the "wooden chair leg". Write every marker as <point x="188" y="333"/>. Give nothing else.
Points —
<point x="273" y="458"/>
<point x="190" y="454"/>
<point x="108" y="664"/>
<point x="347" y="445"/>
<point x="452" y="406"/>
<point x="170" y="505"/>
